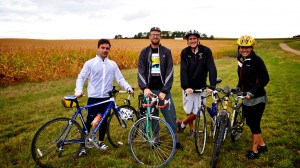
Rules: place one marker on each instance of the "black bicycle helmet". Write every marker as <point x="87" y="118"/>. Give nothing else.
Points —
<point x="192" y="32"/>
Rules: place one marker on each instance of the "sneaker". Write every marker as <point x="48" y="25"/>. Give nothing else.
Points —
<point x="180" y="129"/>
<point x="102" y="146"/>
<point x="179" y="146"/>
<point x="262" y="149"/>
<point x="82" y="152"/>
<point x="252" y="155"/>
<point x="191" y="135"/>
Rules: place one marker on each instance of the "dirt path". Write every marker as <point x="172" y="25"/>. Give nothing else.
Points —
<point x="287" y="48"/>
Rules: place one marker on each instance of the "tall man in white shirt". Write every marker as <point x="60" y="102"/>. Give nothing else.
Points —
<point x="100" y="72"/>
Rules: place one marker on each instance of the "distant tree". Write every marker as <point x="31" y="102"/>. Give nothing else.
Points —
<point x="164" y="33"/>
<point x="178" y="34"/>
<point x="118" y="36"/>
<point x="296" y="36"/>
<point x="140" y="35"/>
<point x="203" y="35"/>
<point x="169" y="34"/>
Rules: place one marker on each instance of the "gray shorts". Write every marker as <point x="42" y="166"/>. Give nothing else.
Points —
<point x="192" y="102"/>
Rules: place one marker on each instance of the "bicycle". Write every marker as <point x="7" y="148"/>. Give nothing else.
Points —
<point x="200" y="127"/>
<point x="151" y="139"/>
<point x="59" y="141"/>
<point x="222" y="121"/>
<point x="238" y="118"/>
<point x="117" y="135"/>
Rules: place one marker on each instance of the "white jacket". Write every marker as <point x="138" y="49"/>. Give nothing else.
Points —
<point x="101" y="75"/>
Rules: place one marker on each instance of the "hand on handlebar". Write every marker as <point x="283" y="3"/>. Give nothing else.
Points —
<point x="79" y="94"/>
<point x="129" y="90"/>
<point x="188" y="91"/>
<point x="147" y="92"/>
<point x="161" y="96"/>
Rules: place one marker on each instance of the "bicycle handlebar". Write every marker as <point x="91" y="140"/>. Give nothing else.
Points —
<point x="114" y="92"/>
<point x="155" y="99"/>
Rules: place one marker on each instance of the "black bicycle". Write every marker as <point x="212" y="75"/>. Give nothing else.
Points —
<point x="118" y="136"/>
<point x="200" y="127"/>
<point x="222" y="124"/>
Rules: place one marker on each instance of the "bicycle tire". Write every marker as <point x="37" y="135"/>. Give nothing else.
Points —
<point x="116" y="134"/>
<point x="213" y="120"/>
<point x="220" y="133"/>
<point x="45" y="148"/>
<point x="156" y="151"/>
<point x="200" y="132"/>
<point x="237" y="123"/>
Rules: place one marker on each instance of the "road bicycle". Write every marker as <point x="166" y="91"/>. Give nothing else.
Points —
<point x="118" y="136"/>
<point x="151" y="139"/>
<point x="59" y="141"/>
<point x="200" y="128"/>
<point x="223" y="119"/>
<point x="238" y="118"/>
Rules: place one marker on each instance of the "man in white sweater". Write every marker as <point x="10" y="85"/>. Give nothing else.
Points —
<point x="100" y="72"/>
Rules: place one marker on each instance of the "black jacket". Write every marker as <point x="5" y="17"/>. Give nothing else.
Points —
<point x="194" y="68"/>
<point x="253" y="75"/>
<point x="166" y="68"/>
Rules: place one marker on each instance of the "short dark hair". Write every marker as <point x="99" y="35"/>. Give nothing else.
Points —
<point x="104" y="41"/>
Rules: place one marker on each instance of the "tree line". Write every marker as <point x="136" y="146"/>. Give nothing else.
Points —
<point x="164" y="34"/>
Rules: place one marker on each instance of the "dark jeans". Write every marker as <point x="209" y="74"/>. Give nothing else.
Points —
<point x="168" y="112"/>
<point x="92" y="113"/>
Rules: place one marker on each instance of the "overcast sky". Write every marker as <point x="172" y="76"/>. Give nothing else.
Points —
<point x="94" y="19"/>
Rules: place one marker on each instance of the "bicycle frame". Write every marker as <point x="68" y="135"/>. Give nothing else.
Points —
<point x="151" y="139"/>
<point x="150" y="110"/>
<point x="67" y="129"/>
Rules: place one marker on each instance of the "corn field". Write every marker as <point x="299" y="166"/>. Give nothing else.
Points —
<point x="29" y="60"/>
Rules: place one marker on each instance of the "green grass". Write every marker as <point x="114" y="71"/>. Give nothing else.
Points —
<point x="295" y="44"/>
<point x="25" y="107"/>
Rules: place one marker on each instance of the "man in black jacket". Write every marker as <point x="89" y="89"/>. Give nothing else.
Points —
<point x="155" y="75"/>
<point x="196" y="62"/>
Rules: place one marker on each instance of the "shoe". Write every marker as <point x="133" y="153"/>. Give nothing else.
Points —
<point x="82" y="152"/>
<point x="262" y="149"/>
<point x="102" y="146"/>
<point x="180" y="129"/>
<point x="179" y="146"/>
<point x="252" y="155"/>
<point x="191" y="135"/>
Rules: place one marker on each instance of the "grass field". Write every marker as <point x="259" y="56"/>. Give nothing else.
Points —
<point x="26" y="106"/>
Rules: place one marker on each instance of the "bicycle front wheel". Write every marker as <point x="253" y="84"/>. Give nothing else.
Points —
<point x="49" y="149"/>
<point x="220" y="133"/>
<point x="200" y="132"/>
<point x="237" y="123"/>
<point x="118" y="134"/>
<point x="152" y="142"/>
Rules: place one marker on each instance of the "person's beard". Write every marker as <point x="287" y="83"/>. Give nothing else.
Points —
<point x="155" y="42"/>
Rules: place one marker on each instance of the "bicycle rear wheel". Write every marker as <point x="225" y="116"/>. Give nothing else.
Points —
<point x="220" y="133"/>
<point x="48" y="148"/>
<point x="116" y="134"/>
<point x="237" y="123"/>
<point x="200" y="132"/>
<point x="155" y="146"/>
